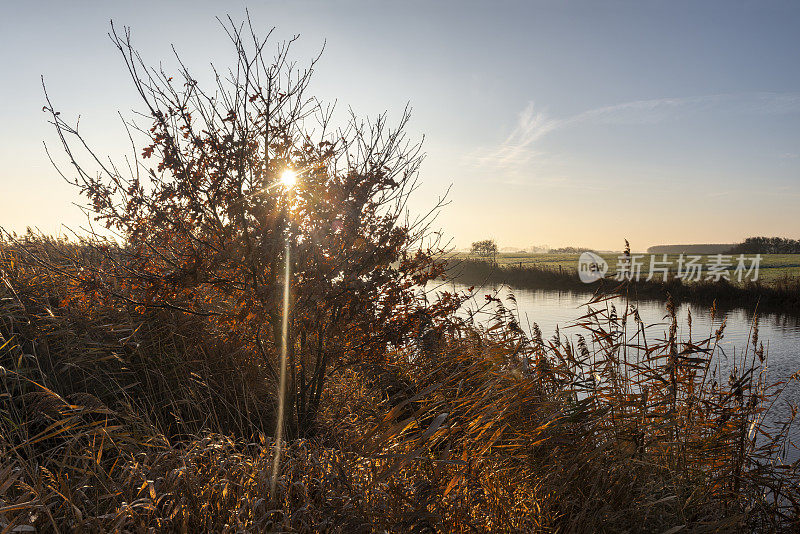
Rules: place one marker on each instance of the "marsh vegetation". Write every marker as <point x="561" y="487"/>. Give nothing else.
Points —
<point x="143" y="366"/>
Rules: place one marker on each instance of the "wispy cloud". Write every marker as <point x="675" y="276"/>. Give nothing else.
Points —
<point x="517" y="148"/>
<point x="518" y="151"/>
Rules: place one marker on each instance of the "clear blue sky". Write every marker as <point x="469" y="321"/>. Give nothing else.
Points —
<point x="560" y="123"/>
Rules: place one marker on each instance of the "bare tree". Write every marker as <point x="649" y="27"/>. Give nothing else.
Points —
<point x="205" y="226"/>
<point x="485" y="249"/>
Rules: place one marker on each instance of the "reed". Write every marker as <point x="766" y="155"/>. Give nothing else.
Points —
<point x="118" y="420"/>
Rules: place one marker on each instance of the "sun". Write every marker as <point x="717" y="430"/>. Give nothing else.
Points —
<point x="288" y="178"/>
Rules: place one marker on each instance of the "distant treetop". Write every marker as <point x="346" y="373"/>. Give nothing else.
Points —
<point x="485" y="249"/>
<point x="767" y="245"/>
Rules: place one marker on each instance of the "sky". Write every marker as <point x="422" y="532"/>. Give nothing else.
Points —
<point x="553" y="123"/>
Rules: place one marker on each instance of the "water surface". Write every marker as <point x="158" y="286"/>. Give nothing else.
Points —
<point x="779" y="333"/>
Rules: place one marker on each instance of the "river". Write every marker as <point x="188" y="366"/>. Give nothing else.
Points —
<point x="780" y="333"/>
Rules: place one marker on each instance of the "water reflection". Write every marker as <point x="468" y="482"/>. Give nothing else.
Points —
<point x="779" y="333"/>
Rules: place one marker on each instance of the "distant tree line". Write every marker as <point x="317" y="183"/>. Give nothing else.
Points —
<point x="767" y="245"/>
<point x="487" y="248"/>
<point x="570" y="250"/>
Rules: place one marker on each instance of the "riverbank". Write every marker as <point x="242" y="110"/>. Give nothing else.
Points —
<point x="778" y="295"/>
<point x="772" y="267"/>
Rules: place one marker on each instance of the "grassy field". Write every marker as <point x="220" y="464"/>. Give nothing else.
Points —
<point x="773" y="267"/>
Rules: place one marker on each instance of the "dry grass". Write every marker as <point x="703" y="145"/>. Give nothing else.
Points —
<point x="112" y="420"/>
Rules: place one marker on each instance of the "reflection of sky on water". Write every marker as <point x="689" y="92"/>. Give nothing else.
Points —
<point x="780" y="334"/>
